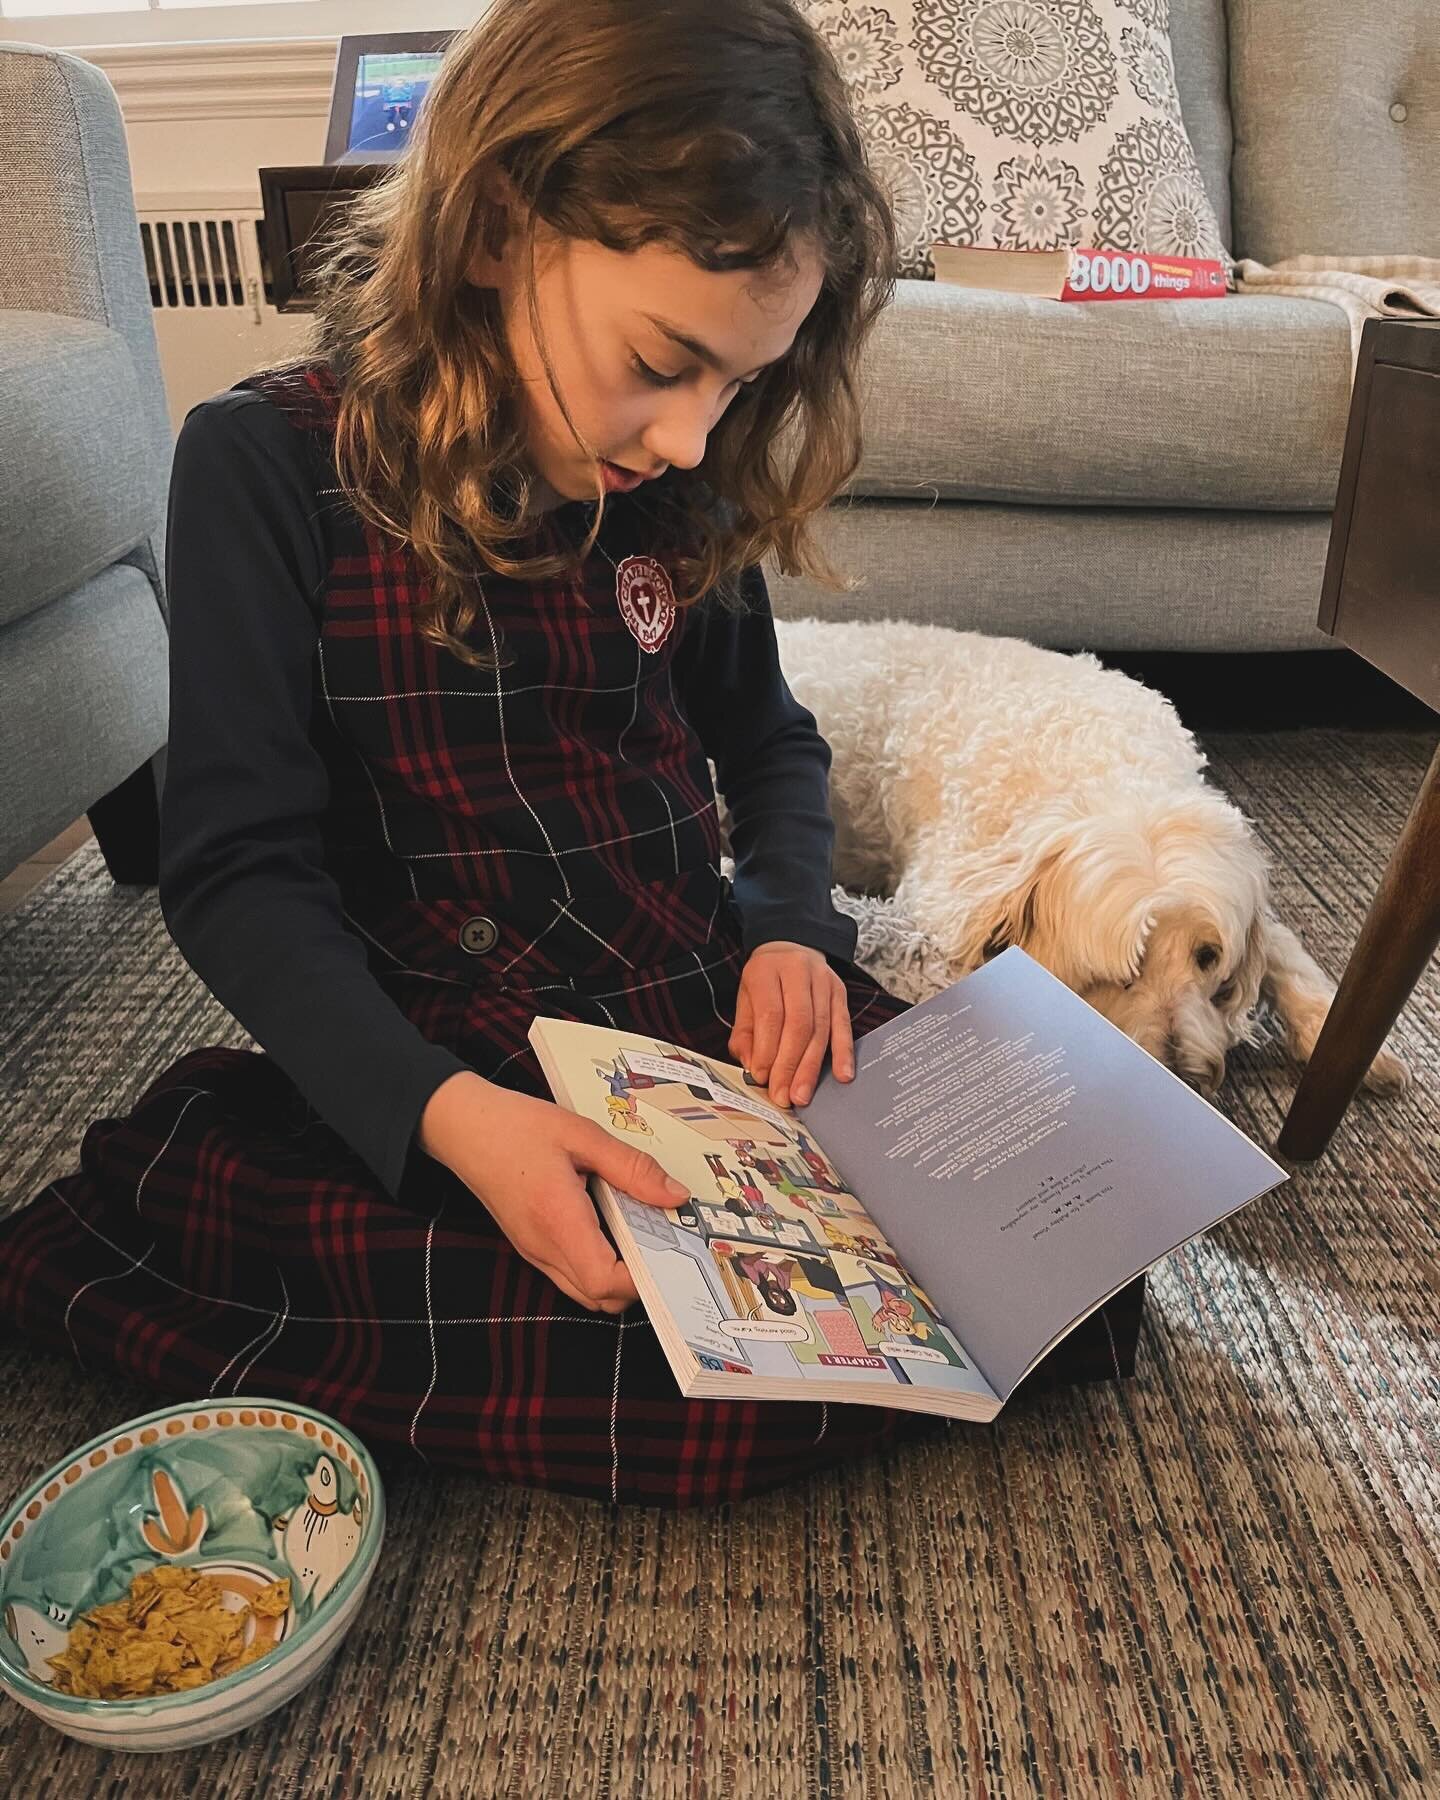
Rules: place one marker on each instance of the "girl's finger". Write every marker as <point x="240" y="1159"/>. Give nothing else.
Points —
<point x="742" y="1037"/>
<point x="578" y="1256"/>
<point x="624" y="1166"/>
<point x="802" y="1088"/>
<point x="842" y="1035"/>
<point x="594" y="1277"/>
<point x="799" y="1023"/>
<point x="767" y="1001"/>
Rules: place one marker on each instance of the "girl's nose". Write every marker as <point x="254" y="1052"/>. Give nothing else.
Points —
<point x="678" y="435"/>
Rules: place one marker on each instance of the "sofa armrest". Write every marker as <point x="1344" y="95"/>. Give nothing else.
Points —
<point x="69" y="236"/>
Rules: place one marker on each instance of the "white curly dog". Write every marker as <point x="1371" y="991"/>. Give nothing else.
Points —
<point x="999" y="793"/>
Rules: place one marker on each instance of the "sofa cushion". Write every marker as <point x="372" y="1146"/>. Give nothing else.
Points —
<point x="76" y="457"/>
<point x="977" y="395"/>
<point x="1337" y="128"/>
<point x="1075" y="577"/>
<point x="1023" y="124"/>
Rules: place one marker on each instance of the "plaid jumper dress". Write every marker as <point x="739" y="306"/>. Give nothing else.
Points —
<point x="541" y="840"/>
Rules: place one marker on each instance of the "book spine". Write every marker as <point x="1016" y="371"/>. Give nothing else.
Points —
<point x="1135" y="275"/>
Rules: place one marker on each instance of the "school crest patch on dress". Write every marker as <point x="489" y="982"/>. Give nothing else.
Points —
<point x="646" y="600"/>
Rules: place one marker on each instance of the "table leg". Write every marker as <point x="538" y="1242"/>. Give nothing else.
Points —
<point x="1395" y="943"/>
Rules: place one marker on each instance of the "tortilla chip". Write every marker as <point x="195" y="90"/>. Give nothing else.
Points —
<point x="272" y="1602"/>
<point x="171" y="1632"/>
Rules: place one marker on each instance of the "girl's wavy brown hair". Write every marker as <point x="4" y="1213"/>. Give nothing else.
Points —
<point x="720" y="128"/>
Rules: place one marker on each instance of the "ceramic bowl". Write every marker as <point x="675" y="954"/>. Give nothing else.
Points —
<point x="244" y="1490"/>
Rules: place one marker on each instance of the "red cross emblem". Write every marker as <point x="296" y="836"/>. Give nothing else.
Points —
<point x="646" y="600"/>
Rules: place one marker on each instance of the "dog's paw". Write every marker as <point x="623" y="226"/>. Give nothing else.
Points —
<point x="1386" y="1075"/>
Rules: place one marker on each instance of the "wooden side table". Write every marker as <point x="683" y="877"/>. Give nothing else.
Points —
<point x="1381" y="596"/>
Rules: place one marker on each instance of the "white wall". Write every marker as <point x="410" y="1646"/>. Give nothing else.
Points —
<point x="297" y="18"/>
<point x="212" y="94"/>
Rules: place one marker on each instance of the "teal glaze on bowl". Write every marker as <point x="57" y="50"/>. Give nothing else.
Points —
<point x="246" y="1491"/>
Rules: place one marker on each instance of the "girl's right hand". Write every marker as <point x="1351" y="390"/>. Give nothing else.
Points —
<point x="526" y="1160"/>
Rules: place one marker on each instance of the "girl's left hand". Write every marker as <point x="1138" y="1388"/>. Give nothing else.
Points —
<point x="791" y="1005"/>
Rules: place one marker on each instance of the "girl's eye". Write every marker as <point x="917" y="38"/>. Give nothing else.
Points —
<point x="656" y="379"/>
<point x="653" y="376"/>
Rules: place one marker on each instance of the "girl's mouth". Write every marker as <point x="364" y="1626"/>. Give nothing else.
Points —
<point x="618" y="480"/>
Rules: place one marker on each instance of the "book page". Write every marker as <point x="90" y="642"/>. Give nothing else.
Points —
<point x="1026" y="1157"/>
<point x="772" y="1268"/>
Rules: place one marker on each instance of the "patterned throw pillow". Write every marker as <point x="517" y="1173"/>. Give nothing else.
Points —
<point x="1024" y="124"/>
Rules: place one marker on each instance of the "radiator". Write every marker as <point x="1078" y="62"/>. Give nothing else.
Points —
<point x="210" y="288"/>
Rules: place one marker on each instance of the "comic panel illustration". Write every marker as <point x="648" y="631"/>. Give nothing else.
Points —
<point x="772" y="1267"/>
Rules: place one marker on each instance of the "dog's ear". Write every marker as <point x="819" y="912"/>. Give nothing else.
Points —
<point x="1010" y="917"/>
<point x="1017" y="921"/>
<point x="1080" y="901"/>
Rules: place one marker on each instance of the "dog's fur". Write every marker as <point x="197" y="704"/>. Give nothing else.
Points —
<point x="1006" y="794"/>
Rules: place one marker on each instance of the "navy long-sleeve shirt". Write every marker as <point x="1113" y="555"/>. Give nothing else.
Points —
<point x="243" y="883"/>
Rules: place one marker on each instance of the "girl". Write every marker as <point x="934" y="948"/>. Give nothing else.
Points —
<point x="460" y="608"/>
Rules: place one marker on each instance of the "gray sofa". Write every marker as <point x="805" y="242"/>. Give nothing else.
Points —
<point x="1158" y="475"/>
<point x="85" y="451"/>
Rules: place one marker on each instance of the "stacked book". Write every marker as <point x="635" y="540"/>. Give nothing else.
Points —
<point x="1078" y="274"/>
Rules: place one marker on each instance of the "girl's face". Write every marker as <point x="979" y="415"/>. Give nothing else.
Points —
<point x="648" y="350"/>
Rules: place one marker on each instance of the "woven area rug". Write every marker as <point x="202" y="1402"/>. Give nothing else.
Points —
<point x="1218" y="1579"/>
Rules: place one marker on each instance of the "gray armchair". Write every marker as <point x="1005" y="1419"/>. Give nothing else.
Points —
<point x="85" y="450"/>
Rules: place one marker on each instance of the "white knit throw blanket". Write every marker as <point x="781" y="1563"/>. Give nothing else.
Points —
<point x="893" y="949"/>
<point x="1364" y="287"/>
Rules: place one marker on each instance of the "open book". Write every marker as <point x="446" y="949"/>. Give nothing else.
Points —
<point x="1004" y="1161"/>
